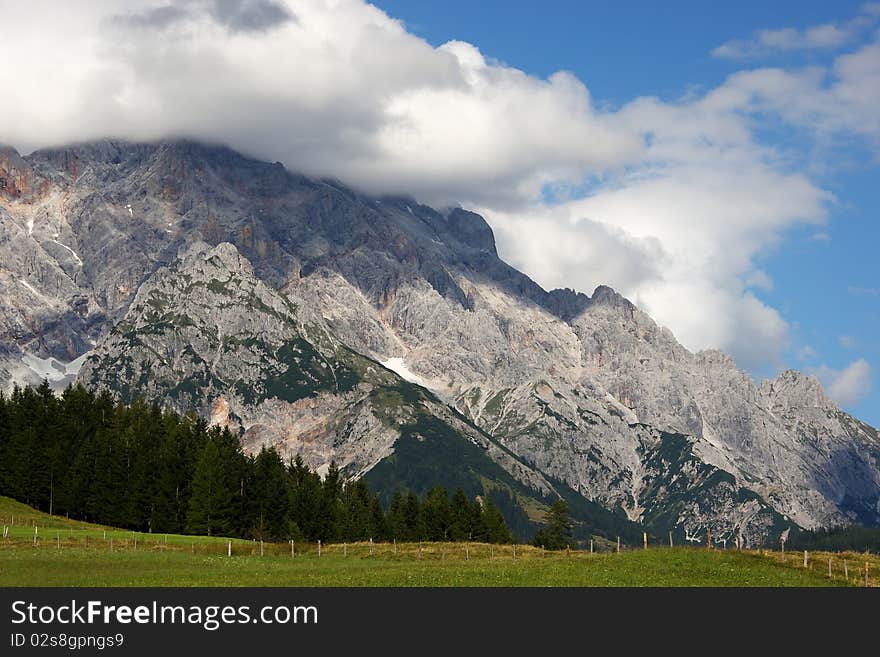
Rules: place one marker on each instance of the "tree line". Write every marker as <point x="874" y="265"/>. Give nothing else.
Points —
<point x="149" y="469"/>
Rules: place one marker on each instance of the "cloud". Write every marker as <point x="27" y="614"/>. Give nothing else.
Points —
<point x="760" y="280"/>
<point x="805" y="353"/>
<point x="828" y="36"/>
<point x="848" y="386"/>
<point x="861" y="291"/>
<point x="670" y="215"/>
<point x="328" y="88"/>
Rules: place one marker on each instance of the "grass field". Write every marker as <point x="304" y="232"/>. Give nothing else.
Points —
<point x="71" y="553"/>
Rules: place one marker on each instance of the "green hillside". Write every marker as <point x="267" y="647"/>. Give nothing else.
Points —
<point x="70" y="553"/>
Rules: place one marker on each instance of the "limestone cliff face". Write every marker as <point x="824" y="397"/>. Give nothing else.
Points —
<point x="585" y="388"/>
<point x="205" y="334"/>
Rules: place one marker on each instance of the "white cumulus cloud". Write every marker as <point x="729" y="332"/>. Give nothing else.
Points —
<point x="847" y="386"/>
<point x="670" y="201"/>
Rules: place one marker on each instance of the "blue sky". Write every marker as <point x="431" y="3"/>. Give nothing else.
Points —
<point x="826" y="283"/>
<point x="714" y="162"/>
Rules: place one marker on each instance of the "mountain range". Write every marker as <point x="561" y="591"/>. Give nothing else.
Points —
<point x="390" y="337"/>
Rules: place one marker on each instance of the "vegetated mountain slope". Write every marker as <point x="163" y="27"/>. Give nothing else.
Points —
<point x="564" y="380"/>
<point x="204" y="333"/>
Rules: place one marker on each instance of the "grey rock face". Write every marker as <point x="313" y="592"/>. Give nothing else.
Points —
<point x="206" y="334"/>
<point x="581" y="387"/>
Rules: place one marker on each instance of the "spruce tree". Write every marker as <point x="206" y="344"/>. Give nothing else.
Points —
<point x="556" y="533"/>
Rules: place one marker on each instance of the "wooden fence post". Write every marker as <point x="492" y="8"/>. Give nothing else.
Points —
<point x="514" y="551"/>
<point x="670" y="539"/>
<point x="261" y="547"/>
<point x="35" y="536"/>
<point x="829" y="568"/>
<point x="846" y="571"/>
<point x="467" y="551"/>
<point x="708" y="538"/>
<point x="228" y="548"/>
<point x="618" y="545"/>
<point x="805" y="558"/>
<point x="319" y="547"/>
<point x="645" y="539"/>
<point x="395" y="547"/>
<point x="344" y="549"/>
<point x="58" y="539"/>
<point x="371" y="546"/>
<point x="591" y="546"/>
<point x="291" y="549"/>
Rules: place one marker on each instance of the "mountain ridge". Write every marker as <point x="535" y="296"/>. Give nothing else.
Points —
<point x="393" y="279"/>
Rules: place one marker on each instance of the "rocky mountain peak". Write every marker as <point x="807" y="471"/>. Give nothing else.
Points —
<point x="566" y="303"/>
<point x="471" y="229"/>
<point x="794" y="389"/>
<point x="224" y="257"/>
<point x="16" y="175"/>
<point x="608" y="296"/>
<point x="170" y="256"/>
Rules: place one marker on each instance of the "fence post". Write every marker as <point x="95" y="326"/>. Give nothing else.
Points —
<point x="591" y="546"/>
<point x="261" y="547"/>
<point x="135" y="542"/>
<point x="192" y="548"/>
<point x="618" y="545"/>
<point x="846" y="571"/>
<point x="291" y="549"/>
<point x="866" y="574"/>
<point x="708" y="538"/>
<point x="35" y="536"/>
<point x="645" y="539"/>
<point x="467" y="551"/>
<point x="670" y="539"/>
<point x="344" y="549"/>
<point x="395" y="547"/>
<point x="805" y="558"/>
<point x="105" y="534"/>
<point x="58" y="539"/>
<point x="371" y="546"/>
<point x="514" y="551"/>
<point x="542" y="551"/>
<point x="829" y="568"/>
<point x="228" y="548"/>
<point x="319" y="547"/>
<point x="111" y="544"/>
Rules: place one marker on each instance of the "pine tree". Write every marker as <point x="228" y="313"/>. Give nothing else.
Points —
<point x="494" y="528"/>
<point x="461" y="516"/>
<point x="217" y="504"/>
<point x="437" y="514"/>
<point x="556" y="533"/>
<point x="269" y="497"/>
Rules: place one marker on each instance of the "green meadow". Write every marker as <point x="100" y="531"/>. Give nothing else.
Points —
<point x="72" y="553"/>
